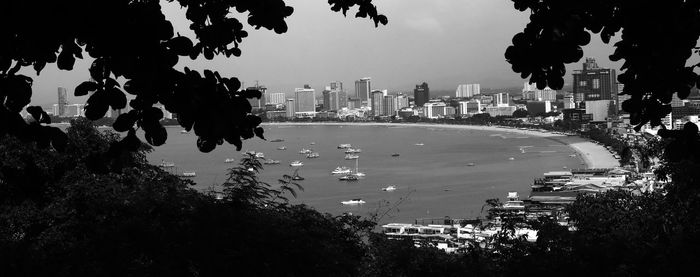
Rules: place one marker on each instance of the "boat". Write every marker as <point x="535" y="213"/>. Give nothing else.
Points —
<point x="271" y="161"/>
<point x="277" y="140"/>
<point x="395" y="154"/>
<point x="572" y="155"/>
<point x="420" y="144"/>
<point x="282" y="148"/>
<point x="296" y="163"/>
<point x="188" y="174"/>
<point x="341" y="170"/>
<point x="514" y="202"/>
<point x="312" y="155"/>
<point x="344" y="146"/>
<point x="511" y="159"/>
<point x="184" y="131"/>
<point x="351" y="157"/>
<point x="312" y="143"/>
<point x="296" y="176"/>
<point x="349" y="177"/>
<point x="353" y="150"/>
<point x="389" y="188"/>
<point x="260" y="155"/>
<point x="471" y="164"/>
<point x="163" y="163"/>
<point x="356" y="201"/>
<point x="229" y="160"/>
<point x="306" y="151"/>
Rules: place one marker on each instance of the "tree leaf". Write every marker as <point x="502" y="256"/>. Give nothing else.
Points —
<point x="85" y="87"/>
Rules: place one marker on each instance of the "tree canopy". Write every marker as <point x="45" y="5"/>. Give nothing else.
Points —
<point x="135" y="41"/>
<point x="657" y="39"/>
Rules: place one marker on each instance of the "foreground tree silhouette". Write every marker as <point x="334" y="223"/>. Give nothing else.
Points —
<point x="657" y="40"/>
<point x="134" y="40"/>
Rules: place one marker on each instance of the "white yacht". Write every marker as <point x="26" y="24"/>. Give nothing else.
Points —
<point x="389" y="188"/>
<point x="353" y="150"/>
<point x="356" y="201"/>
<point x="165" y="164"/>
<point x="351" y="157"/>
<point x="296" y="163"/>
<point x="312" y="155"/>
<point x="188" y="174"/>
<point x="306" y="151"/>
<point x="420" y="144"/>
<point x="341" y="170"/>
<point x="344" y="146"/>
<point x="229" y="160"/>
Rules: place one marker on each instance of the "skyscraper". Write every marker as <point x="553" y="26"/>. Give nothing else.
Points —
<point x="530" y="92"/>
<point x="274" y="98"/>
<point x="389" y="105"/>
<point x="401" y="101"/>
<point x="333" y="100"/>
<point x="501" y="99"/>
<point x="362" y="89"/>
<point x="594" y="83"/>
<point x="62" y="101"/>
<point x="377" y="97"/>
<point x="305" y="99"/>
<point x="290" y="108"/>
<point x="421" y="94"/>
<point x="468" y="90"/>
<point x="337" y="85"/>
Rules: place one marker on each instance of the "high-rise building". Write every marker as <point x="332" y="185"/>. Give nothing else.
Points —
<point x="421" y="94"/>
<point x="621" y="98"/>
<point x="62" y="101"/>
<point x="274" y="98"/>
<point x="401" y="101"/>
<point x="594" y="83"/>
<point x="389" y="105"/>
<point x="470" y="107"/>
<point x="600" y="109"/>
<point x="530" y="92"/>
<point x="467" y="90"/>
<point x="333" y="100"/>
<point x="377" y="97"/>
<point x="363" y="87"/>
<point x="290" y="108"/>
<point x="569" y="101"/>
<point x="337" y="85"/>
<point x="305" y="100"/>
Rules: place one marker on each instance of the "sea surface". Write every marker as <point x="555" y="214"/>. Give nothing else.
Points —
<point x="433" y="180"/>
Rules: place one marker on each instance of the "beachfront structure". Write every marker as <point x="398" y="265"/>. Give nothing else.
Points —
<point x="376" y="102"/>
<point x="305" y="100"/>
<point x="500" y="110"/>
<point x="593" y="83"/>
<point x="401" y="101"/>
<point x="290" y="108"/>
<point x="470" y="107"/>
<point x="467" y="90"/>
<point x="363" y="87"/>
<point x="389" y="105"/>
<point x="421" y="94"/>
<point x="434" y="110"/>
<point x="501" y="99"/>
<point x="530" y="92"/>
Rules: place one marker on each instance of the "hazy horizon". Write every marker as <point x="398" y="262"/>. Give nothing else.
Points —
<point x="442" y="42"/>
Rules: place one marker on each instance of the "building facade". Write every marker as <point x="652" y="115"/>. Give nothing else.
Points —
<point x="421" y="94"/>
<point x="600" y="110"/>
<point x="62" y="102"/>
<point x="274" y="98"/>
<point x="290" y="108"/>
<point x="258" y="102"/>
<point x="389" y="105"/>
<point x="501" y="99"/>
<point x="363" y="87"/>
<point x="593" y="83"/>
<point x="468" y="90"/>
<point x="376" y="102"/>
<point x="434" y="110"/>
<point x="401" y="101"/>
<point x="530" y="92"/>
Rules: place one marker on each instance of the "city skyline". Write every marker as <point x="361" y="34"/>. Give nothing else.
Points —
<point x="443" y="43"/>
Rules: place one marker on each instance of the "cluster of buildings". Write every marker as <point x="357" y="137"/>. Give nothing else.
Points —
<point x="64" y="109"/>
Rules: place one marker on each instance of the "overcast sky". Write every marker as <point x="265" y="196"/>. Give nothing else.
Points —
<point x="441" y="42"/>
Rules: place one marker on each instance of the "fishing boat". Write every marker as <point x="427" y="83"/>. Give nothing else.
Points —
<point x="229" y="160"/>
<point x="351" y="157"/>
<point x="296" y="176"/>
<point x="353" y="150"/>
<point x="296" y="163"/>
<point x="188" y="174"/>
<point x="306" y="151"/>
<point x="344" y="146"/>
<point x="282" y="148"/>
<point x="312" y="155"/>
<point x="389" y="188"/>
<point x="277" y="140"/>
<point x="271" y="161"/>
<point x="341" y="170"/>
<point x="395" y="155"/>
<point x="349" y="177"/>
<point x="356" y="201"/>
<point x="165" y="164"/>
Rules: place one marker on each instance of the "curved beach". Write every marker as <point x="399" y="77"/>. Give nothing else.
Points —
<point x="593" y="155"/>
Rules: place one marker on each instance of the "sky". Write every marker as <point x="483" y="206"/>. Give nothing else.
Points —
<point x="442" y="42"/>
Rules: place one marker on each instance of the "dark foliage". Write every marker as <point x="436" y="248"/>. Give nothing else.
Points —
<point x="657" y="39"/>
<point x="133" y="40"/>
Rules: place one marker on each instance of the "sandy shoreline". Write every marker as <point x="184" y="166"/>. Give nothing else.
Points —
<point x="593" y="155"/>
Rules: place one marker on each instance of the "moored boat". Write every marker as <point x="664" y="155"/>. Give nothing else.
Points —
<point x="356" y="201"/>
<point x="312" y="155"/>
<point x="395" y="155"/>
<point x="271" y="161"/>
<point x="344" y="146"/>
<point x="389" y="188"/>
<point x="306" y="151"/>
<point x="341" y="170"/>
<point x="353" y="150"/>
<point x="351" y="157"/>
<point x="229" y="160"/>
<point x="296" y="176"/>
<point x="349" y="177"/>
<point x="282" y="148"/>
<point x="277" y="140"/>
<point x="188" y="174"/>
<point x="296" y="163"/>
<point x="165" y="164"/>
